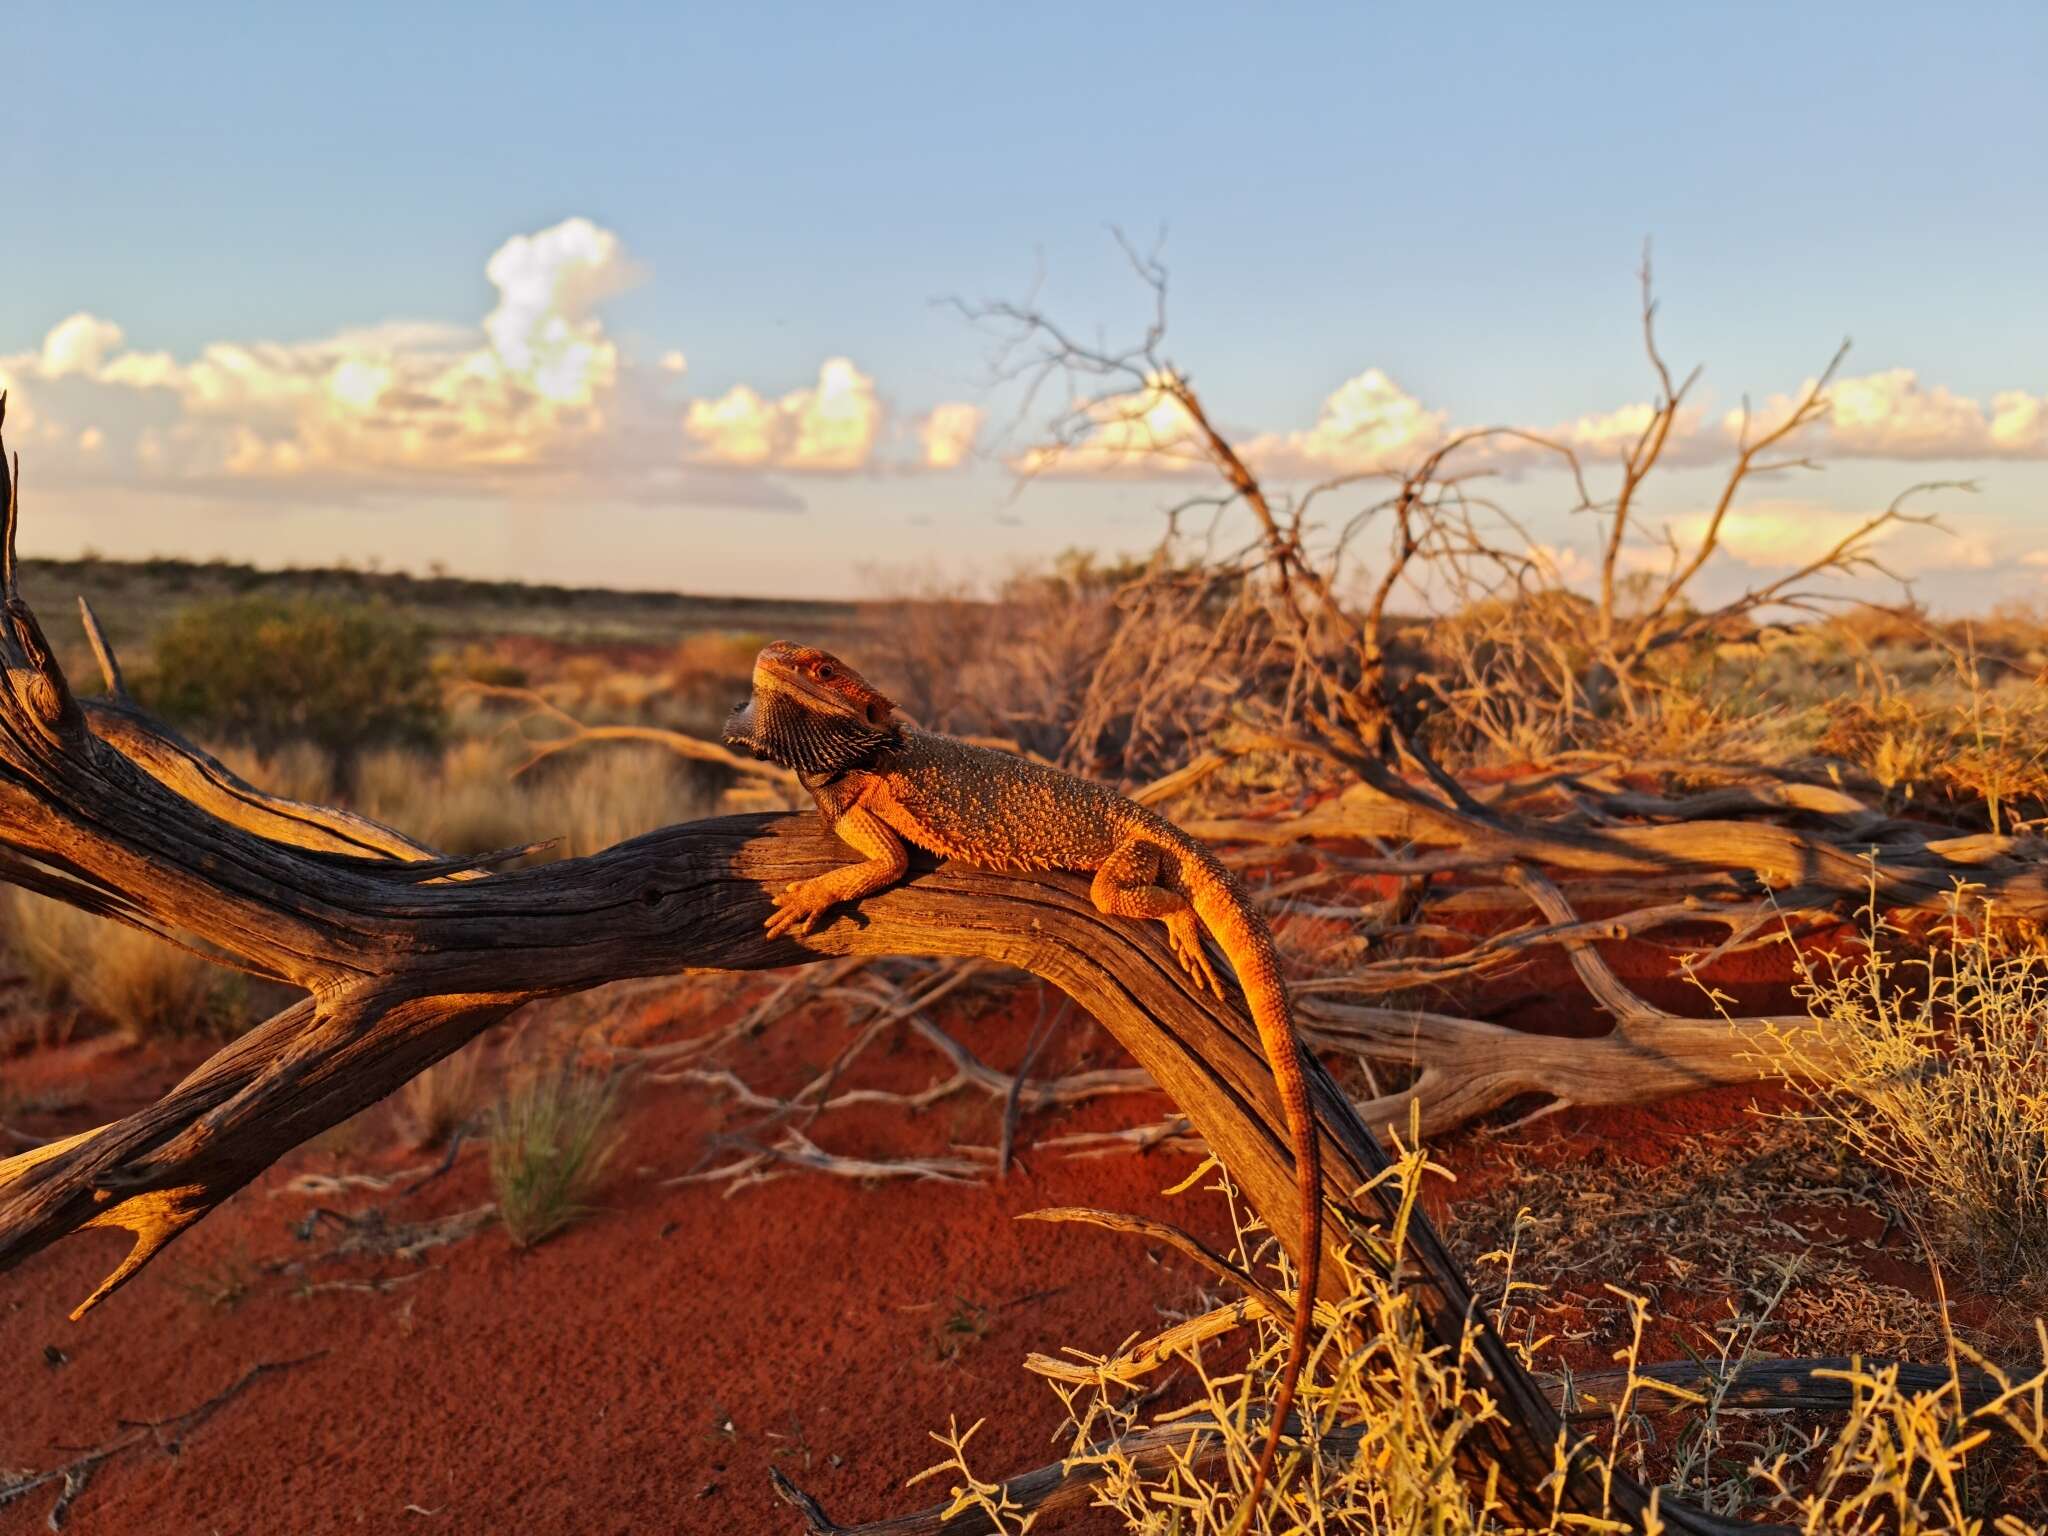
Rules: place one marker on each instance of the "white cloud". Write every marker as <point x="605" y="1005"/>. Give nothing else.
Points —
<point x="1145" y="433"/>
<point x="538" y="389"/>
<point x="391" y="397"/>
<point x="1892" y="415"/>
<point x="827" y="427"/>
<point x="77" y="345"/>
<point x="946" y="435"/>
<point x="538" y="384"/>
<point x="548" y="284"/>
<point x="1368" y="423"/>
<point x="1791" y="532"/>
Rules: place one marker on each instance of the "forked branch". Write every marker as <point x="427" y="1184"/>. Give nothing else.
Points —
<point x="403" y="964"/>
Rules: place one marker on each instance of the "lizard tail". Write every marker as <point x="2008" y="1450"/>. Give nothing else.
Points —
<point x="1248" y="943"/>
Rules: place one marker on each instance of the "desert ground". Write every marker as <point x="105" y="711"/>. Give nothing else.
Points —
<point x="638" y="1252"/>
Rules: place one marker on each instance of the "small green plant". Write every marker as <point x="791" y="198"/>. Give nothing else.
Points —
<point x="266" y="671"/>
<point x="966" y="1325"/>
<point x="551" y="1137"/>
<point x="221" y="1283"/>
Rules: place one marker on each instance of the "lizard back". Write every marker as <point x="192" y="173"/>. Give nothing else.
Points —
<point x="997" y="810"/>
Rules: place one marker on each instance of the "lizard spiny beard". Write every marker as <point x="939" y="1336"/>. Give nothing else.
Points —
<point x="807" y="740"/>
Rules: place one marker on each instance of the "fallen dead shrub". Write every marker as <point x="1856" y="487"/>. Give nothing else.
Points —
<point x="1387" y="1411"/>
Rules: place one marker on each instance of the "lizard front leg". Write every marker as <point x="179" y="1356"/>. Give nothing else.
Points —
<point x="1127" y="885"/>
<point x="801" y="903"/>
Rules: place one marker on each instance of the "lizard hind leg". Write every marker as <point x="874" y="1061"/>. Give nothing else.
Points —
<point x="1127" y="885"/>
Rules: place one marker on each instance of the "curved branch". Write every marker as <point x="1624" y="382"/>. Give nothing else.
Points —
<point x="400" y="971"/>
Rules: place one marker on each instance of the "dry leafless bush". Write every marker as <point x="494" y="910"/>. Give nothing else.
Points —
<point x="1388" y="1411"/>
<point x="1299" y="628"/>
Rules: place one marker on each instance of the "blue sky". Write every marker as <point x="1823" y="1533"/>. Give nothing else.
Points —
<point x="1455" y="197"/>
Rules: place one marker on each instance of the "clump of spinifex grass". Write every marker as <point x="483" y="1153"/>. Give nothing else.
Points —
<point x="139" y="985"/>
<point x="1934" y="1066"/>
<point x="441" y="1100"/>
<point x="552" y="1136"/>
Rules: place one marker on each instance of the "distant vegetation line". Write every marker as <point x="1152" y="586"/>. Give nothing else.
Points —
<point x="133" y="596"/>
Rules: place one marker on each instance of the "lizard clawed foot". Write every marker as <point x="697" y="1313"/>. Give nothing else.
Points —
<point x="798" y="908"/>
<point x="1184" y="933"/>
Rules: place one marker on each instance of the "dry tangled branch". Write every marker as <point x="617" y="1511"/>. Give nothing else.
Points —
<point x="401" y="964"/>
<point x="574" y="734"/>
<point x="1509" y="656"/>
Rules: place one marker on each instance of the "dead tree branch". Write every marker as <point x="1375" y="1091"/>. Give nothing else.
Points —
<point x="402" y="964"/>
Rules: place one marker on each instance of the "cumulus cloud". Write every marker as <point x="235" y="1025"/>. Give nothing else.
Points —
<point x="548" y="284"/>
<point x="78" y="345"/>
<point x="391" y="397"/>
<point x="539" y="387"/>
<point x="1792" y="532"/>
<point x="1368" y="423"/>
<point x="830" y="426"/>
<point x="538" y="384"/>
<point x="1892" y="415"/>
<point x="945" y="436"/>
<point x="1144" y="432"/>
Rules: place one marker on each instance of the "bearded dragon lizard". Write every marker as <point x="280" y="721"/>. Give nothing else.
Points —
<point x="879" y="783"/>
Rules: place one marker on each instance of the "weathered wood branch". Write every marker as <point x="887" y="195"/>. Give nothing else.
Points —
<point x="1922" y="872"/>
<point x="402" y="964"/>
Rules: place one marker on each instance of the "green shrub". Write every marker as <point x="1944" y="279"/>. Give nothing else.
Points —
<point x="266" y="671"/>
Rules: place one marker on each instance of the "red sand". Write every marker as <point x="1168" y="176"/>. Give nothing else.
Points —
<point x="646" y="1369"/>
<point x="641" y="1372"/>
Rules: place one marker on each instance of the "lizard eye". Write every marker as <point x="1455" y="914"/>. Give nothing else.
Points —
<point x="826" y="672"/>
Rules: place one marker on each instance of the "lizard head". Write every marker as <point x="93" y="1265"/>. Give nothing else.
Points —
<point x="811" y="712"/>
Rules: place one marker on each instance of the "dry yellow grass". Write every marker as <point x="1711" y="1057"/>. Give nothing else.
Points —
<point x="441" y="1100"/>
<point x="465" y="799"/>
<point x="1389" y="1411"/>
<point x="136" y="984"/>
<point x="1934" y="1065"/>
